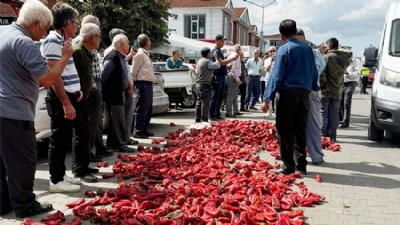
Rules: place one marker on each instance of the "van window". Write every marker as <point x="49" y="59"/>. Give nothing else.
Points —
<point x="381" y="47"/>
<point x="394" y="47"/>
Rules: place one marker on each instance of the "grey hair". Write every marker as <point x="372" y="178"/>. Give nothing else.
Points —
<point x="118" y="39"/>
<point x="142" y="40"/>
<point x="90" y="19"/>
<point x="35" y="10"/>
<point x="88" y="30"/>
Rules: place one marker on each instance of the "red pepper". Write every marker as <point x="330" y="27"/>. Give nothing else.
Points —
<point x="146" y="205"/>
<point x="90" y="194"/>
<point x="122" y="202"/>
<point x="318" y="178"/>
<point x="75" y="221"/>
<point x="108" y="175"/>
<point x="100" y="192"/>
<point x="28" y="221"/>
<point x="55" y="216"/>
<point x="75" y="203"/>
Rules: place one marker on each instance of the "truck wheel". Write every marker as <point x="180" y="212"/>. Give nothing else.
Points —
<point x="374" y="133"/>
<point x="189" y="101"/>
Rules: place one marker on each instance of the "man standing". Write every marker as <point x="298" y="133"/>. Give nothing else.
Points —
<point x="364" y="80"/>
<point x="351" y="76"/>
<point x="219" y="88"/>
<point x="268" y="65"/>
<point x="174" y="62"/>
<point x="143" y="78"/>
<point x="254" y="66"/>
<point x="233" y="82"/>
<point x="204" y="71"/>
<point x="294" y="75"/>
<point x="243" y="85"/>
<point x="314" y="144"/>
<point x="22" y="71"/>
<point x="331" y="81"/>
<point x="116" y="90"/>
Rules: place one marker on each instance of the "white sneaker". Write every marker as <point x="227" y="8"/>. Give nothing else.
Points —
<point x="64" y="187"/>
<point x="72" y="180"/>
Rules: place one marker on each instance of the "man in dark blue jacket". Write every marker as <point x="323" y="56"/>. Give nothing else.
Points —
<point x="293" y="76"/>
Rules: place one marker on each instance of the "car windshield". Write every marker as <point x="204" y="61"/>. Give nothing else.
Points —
<point x="394" y="48"/>
<point x="161" y="67"/>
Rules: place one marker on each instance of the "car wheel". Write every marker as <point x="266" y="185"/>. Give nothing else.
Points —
<point x="189" y="101"/>
<point x="374" y="133"/>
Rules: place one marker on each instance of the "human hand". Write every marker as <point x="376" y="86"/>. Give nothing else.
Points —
<point x="130" y="90"/>
<point x="265" y="106"/>
<point x="67" y="48"/>
<point x="80" y="96"/>
<point x="69" y="112"/>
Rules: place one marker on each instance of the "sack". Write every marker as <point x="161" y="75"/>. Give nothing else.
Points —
<point x="53" y="106"/>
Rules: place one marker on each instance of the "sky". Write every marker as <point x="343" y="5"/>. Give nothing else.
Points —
<point x="355" y="23"/>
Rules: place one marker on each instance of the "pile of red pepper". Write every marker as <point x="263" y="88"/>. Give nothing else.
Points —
<point x="207" y="176"/>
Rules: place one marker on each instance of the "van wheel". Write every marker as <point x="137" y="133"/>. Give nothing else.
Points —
<point x="374" y="133"/>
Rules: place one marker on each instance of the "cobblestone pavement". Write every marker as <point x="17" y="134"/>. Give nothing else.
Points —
<point x="361" y="183"/>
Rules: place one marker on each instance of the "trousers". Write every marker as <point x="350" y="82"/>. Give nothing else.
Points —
<point x="231" y="101"/>
<point x="314" y="144"/>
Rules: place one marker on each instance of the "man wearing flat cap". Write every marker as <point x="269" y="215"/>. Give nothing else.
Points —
<point x="219" y="76"/>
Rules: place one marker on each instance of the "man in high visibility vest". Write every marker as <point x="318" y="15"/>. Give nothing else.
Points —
<point x="364" y="80"/>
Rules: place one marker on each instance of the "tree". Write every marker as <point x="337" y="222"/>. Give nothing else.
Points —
<point x="133" y="16"/>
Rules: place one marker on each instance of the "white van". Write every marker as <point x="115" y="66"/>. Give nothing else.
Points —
<point x="385" y="101"/>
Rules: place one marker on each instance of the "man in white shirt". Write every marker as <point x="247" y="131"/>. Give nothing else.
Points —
<point x="254" y="66"/>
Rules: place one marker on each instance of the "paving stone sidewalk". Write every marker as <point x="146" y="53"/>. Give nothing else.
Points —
<point x="361" y="183"/>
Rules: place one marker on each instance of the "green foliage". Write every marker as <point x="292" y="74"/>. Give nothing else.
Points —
<point x="133" y="16"/>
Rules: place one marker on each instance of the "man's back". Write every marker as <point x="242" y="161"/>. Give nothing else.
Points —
<point x="332" y="77"/>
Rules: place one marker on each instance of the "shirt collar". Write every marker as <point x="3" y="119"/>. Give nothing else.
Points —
<point x="22" y="29"/>
<point x="144" y="51"/>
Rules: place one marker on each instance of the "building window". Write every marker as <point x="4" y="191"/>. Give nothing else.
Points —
<point x="195" y="26"/>
<point x="276" y="43"/>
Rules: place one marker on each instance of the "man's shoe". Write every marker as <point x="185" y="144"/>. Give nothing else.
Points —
<point x="104" y="153"/>
<point x="87" y="178"/>
<point x="238" y="113"/>
<point x="303" y="172"/>
<point x="140" y="136"/>
<point x="344" y="125"/>
<point x="35" y="209"/>
<point x="90" y="170"/>
<point x="94" y="158"/>
<point x="6" y="208"/>
<point x="64" y="187"/>
<point x="318" y="163"/>
<point x="132" y="142"/>
<point x="72" y="180"/>
<point x="148" y="133"/>
<point x="253" y="108"/>
<point x="126" y="149"/>
<point x="230" y="116"/>
<point x="283" y="171"/>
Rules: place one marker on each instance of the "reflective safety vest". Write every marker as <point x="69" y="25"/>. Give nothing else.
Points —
<point x="364" y="71"/>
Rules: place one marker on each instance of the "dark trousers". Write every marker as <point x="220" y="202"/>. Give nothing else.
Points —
<point x="144" y="104"/>
<point x="253" y="91"/>
<point x="68" y="134"/>
<point x="345" y="102"/>
<point x="291" y="122"/>
<point x="242" y="91"/>
<point x="329" y="114"/>
<point x="217" y="96"/>
<point x="203" y="92"/>
<point x="18" y="154"/>
<point x="364" y="83"/>
<point x="95" y="120"/>
<point x="262" y="86"/>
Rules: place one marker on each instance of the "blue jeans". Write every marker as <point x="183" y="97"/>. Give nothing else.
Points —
<point x="314" y="144"/>
<point x="253" y="91"/>
<point x="217" y="95"/>
<point x="330" y="103"/>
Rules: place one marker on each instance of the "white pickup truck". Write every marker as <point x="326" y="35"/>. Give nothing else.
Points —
<point x="179" y="84"/>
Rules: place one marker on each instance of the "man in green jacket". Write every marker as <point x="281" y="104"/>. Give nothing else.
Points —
<point x="331" y="81"/>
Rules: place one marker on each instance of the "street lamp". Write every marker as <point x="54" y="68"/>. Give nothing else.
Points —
<point x="263" y="6"/>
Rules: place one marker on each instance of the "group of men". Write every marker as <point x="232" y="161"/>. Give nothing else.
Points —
<point x="77" y="84"/>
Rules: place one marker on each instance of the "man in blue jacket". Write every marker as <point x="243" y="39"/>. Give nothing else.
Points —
<point x="294" y="76"/>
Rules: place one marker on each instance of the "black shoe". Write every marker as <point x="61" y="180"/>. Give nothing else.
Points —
<point x="140" y="136"/>
<point x="87" y="178"/>
<point x="244" y="110"/>
<point x="104" y="153"/>
<point x="148" y="133"/>
<point x="90" y="170"/>
<point x="132" y="142"/>
<point x="283" y="171"/>
<point x="253" y="108"/>
<point x="344" y="125"/>
<point x="35" y="209"/>
<point x="318" y="163"/>
<point x="125" y="149"/>
<point x="238" y="113"/>
<point x="6" y="208"/>
<point x="303" y="172"/>
<point x="230" y="116"/>
<point x="94" y="158"/>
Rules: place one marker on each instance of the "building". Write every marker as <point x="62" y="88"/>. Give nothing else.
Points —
<point x="275" y="40"/>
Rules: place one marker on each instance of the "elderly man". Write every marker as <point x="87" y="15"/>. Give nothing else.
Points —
<point x="64" y="103"/>
<point x="89" y="40"/>
<point x="22" y="70"/>
<point x="116" y="90"/>
<point x="233" y="82"/>
<point x="143" y="78"/>
<point x="254" y="66"/>
<point x="268" y="65"/>
<point x="174" y="62"/>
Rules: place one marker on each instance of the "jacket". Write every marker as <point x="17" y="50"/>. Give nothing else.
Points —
<point x="332" y="77"/>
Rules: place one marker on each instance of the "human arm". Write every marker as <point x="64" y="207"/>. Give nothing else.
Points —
<point x="353" y="72"/>
<point x="319" y="61"/>
<point x="275" y="79"/>
<point x="137" y="63"/>
<point x="322" y="77"/>
<point x="213" y="65"/>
